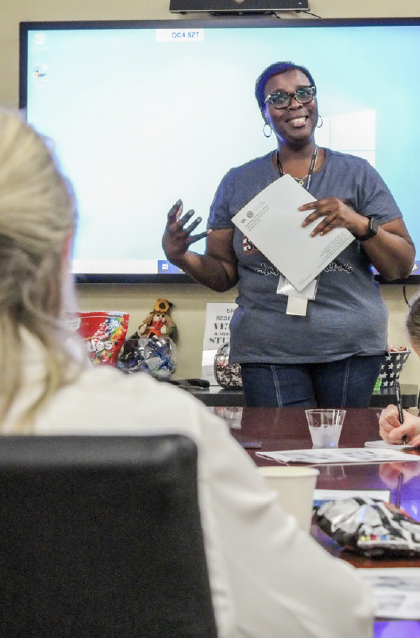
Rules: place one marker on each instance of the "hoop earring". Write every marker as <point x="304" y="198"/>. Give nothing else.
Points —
<point x="318" y="125"/>
<point x="265" y="130"/>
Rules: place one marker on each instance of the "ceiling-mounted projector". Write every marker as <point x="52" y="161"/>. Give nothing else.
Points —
<point x="237" y="6"/>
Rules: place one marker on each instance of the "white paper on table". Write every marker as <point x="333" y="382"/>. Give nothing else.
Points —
<point x="319" y="456"/>
<point x="335" y="495"/>
<point x="389" y="446"/>
<point x="272" y="221"/>
<point x="396" y="591"/>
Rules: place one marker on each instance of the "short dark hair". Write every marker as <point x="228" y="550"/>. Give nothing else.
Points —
<point x="276" y="69"/>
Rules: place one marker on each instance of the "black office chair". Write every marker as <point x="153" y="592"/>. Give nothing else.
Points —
<point x="100" y="537"/>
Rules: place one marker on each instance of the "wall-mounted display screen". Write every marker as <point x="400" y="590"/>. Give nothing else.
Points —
<point x="144" y="113"/>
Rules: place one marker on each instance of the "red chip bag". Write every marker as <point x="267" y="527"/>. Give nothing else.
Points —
<point x="103" y="333"/>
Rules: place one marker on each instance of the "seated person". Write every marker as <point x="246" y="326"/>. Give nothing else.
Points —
<point x="267" y="577"/>
<point x="390" y="428"/>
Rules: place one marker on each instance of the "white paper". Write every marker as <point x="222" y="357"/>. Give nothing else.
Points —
<point x="272" y="221"/>
<point x="335" y="495"/>
<point x="319" y="456"/>
<point x="389" y="446"/>
<point x="216" y="333"/>
<point x="396" y="591"/>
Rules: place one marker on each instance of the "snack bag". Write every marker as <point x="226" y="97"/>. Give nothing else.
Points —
<point x="368" y="527"/>
<point x="103" y="332"/>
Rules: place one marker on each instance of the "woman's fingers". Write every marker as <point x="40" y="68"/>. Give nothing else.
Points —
<point x="175" y="212"/>
<point x="178" y="233"/>
<point x="195" y="238"/>
<point x="186" y="218"/>
<point x="334" y="211"/>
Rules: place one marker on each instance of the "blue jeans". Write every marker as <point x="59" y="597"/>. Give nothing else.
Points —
<point x="337" y="384"/>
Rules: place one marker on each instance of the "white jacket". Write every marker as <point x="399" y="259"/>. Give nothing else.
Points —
<point x="268" y="578"/>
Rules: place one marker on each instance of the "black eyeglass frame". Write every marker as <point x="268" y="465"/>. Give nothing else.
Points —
<point x="290" y="96"/>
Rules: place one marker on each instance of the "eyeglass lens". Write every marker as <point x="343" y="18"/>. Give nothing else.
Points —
<point x="281" y="99"/>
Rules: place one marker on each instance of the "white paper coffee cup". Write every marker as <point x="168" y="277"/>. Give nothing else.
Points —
<point x="295" y="490"/>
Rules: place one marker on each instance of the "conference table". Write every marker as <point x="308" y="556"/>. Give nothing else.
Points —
<point x="286" y="429"/>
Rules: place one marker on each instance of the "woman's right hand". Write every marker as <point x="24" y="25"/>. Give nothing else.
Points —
<point x="177" y="238"/>
<point x="392" y="431"/>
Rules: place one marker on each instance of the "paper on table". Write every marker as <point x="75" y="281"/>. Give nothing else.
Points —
<point x="396" y="591"/>
<point x="272" y="221"/>
<point x="389" y="446"/>
<point x="335" y="495"/>
<point x="318" y="456"/>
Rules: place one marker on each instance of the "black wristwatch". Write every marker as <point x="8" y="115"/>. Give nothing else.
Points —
<point x="372" y="231"/>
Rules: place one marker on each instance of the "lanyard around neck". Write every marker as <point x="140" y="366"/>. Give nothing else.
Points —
<point x="308" y="177"/>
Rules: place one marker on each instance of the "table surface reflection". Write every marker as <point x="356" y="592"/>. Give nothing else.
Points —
<point x="286" y="429"/>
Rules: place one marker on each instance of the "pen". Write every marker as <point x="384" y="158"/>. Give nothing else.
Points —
<point x="399" y="405"/>
<point x="404" y="439"/>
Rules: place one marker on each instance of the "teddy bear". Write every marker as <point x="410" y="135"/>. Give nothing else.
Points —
<point x="158" y="322"/>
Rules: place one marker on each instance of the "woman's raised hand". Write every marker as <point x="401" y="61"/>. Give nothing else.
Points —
<point x="177" y="237"/>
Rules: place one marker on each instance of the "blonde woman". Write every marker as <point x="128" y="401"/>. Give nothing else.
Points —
<point x="267" y="577"/>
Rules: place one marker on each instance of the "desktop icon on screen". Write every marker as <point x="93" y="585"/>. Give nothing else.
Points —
<point x="40" y="38"/>
<point x="39" y="71"/>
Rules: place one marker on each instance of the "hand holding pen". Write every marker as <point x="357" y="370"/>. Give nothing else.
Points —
<point x="398" y="426"/>
<point x="393" y="426"/>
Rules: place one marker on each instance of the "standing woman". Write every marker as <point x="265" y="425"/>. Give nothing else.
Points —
<point x="333" y="354"/>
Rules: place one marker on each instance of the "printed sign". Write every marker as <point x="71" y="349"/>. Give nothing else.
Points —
<point x="216" y="333"/>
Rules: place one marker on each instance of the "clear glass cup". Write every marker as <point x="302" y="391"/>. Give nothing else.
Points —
<point x="325" y="426"/>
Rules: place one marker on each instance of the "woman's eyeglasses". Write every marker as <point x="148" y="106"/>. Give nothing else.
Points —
<point x="281" y="99"/>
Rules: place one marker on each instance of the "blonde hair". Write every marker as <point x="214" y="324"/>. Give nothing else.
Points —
<point x="36" y="219"/>
<point x="413" y="320"/>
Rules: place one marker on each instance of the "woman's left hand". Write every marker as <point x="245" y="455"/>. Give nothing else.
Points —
<point x="335" y="213"/>
<point x="391" y="251"/>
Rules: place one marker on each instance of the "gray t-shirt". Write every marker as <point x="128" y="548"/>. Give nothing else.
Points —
<point x="348" y="316"/>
